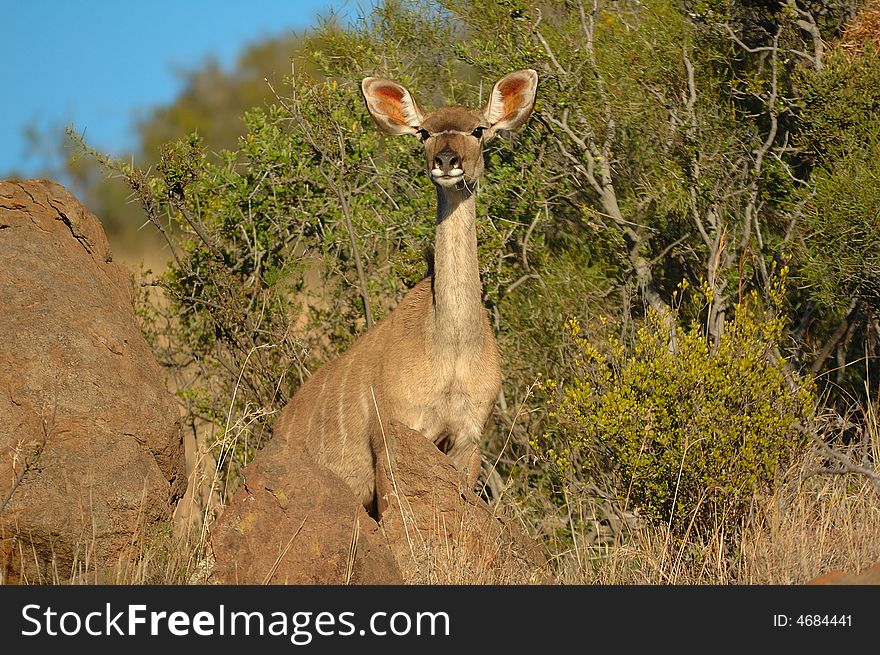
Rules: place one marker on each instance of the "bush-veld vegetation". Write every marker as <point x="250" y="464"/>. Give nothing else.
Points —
<point x="678" y="254"/>
<point x="688" y="431"/>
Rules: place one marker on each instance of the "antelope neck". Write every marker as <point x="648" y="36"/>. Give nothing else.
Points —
<point x="457" y="290"/>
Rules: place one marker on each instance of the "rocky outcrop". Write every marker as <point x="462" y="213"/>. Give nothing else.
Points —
<point x="439" y="530"/>
<point x="295" y="522"/>
<point x="91" y="458"/>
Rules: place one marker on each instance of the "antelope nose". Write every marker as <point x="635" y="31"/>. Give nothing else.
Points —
<point x="446" y="160"/>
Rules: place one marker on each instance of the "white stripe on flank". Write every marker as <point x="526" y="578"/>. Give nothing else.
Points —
<point x="340" y="416"/>
<point x="322" y="406"/>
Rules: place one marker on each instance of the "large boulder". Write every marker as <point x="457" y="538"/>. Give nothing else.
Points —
<point x="441" y="532"/>
<point x="296" y="522"/>
<point x="91" y="457"/>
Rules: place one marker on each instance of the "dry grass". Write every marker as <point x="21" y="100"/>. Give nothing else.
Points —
<point x="823" y="514"/>
<point x="819" y="517"/>
<point x="463" y="554"/>
<point x="157" y="557"/>
<point x="797" y="533"/>
<point x="812" y="523"/>
<point x="862" y="31"/>
<point x="804" y="532"/>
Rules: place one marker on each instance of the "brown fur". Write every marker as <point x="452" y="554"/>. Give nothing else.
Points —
<point x="333" y="414"/>
<point x="432" y="363"/>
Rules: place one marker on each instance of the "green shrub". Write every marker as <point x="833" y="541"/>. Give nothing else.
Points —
<point x="841" y="245"/>
<point x="288" y="245"/>
<point x="841" y="227"/>
<point x="287" y="248"/>
<point x="841" y="104"/>
<point x="689" y="431"/>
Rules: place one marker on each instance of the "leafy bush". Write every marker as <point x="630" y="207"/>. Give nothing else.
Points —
<point x="841" y="230"/>
<point x="690" y="431"/>
<point x="662" y="147"/>
<point x="841" y="104"/>
<point x="288" y="247"/>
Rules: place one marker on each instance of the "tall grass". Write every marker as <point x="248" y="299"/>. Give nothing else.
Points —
<point x="823" y="513"/>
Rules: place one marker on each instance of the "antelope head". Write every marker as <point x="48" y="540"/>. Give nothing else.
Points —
<point x="453" y="136"/>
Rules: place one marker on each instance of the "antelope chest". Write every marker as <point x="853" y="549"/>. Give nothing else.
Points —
<point x="457" y="398"/>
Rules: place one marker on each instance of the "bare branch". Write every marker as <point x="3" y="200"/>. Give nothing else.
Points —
<point x="528" y="235"/>
<point x="355" y="252"/>
<point x="666" y="250"/>
<point x="587" y="170"/>
<point x="199" y="230"/>
<point x="772" y="110"/>
<point x="847" y="465"/>
<point x="520" y="280"/>
<point x="690" y="107"/>
<point x="547" y="47"/>
<point x="808" y="24"/>
<point x="588" y="26"/>
<point x="564" y="126"/>
<point x="834" y="339"/>
<point x="742" y="45"/>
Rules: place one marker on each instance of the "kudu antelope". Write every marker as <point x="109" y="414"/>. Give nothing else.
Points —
<point x="432" y="363"/>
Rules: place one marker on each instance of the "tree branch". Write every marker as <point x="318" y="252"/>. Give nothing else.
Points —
<point x="808" y="24"/>
<point x="847" y="465"/>
<point x="832" y="342"/>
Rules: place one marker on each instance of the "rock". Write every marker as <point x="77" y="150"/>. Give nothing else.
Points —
<point x="442" y="532"/>
<point x="868" y="576"/>
<point x="296" y="522"/>
<point x="91" y="457"/>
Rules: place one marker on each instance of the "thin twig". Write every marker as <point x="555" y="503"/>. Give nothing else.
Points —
<point x="31" y="461"/>
<point x="846" y="463"/>
<point x="280" y="557"/>
<point x="356" y="254"/>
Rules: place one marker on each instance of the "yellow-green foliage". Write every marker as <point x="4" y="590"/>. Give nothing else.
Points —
<point x="690" y="430"/>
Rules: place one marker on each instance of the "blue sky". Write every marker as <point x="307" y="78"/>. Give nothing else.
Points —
<point x="99" y="64"/>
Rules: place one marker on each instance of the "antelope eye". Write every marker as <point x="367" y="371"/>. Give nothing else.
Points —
<point x="423" y="135"/>
<point x="478" y="132"/>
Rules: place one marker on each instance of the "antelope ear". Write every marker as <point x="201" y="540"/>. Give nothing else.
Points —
<point x="511" y="102"/>
<point x="391" y="106"/>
